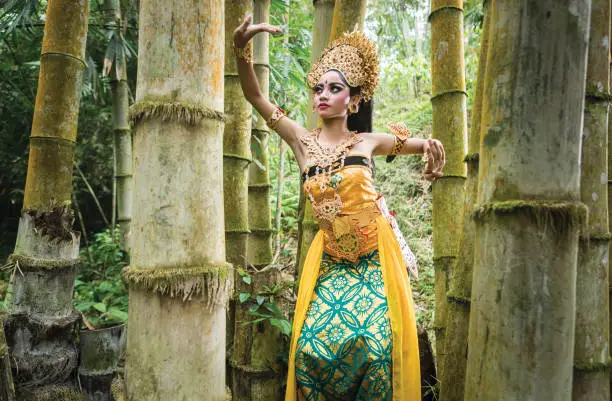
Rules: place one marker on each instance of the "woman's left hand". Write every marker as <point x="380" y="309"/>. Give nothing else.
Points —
<point x="436" y="158"/>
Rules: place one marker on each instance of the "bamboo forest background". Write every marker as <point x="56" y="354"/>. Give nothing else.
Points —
<point x="400" y="29"/>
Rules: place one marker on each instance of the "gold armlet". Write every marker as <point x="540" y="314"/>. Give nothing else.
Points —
<point x="275" y="118"/>
<point x="244" y="53"/>
<point x="401" y="133"/>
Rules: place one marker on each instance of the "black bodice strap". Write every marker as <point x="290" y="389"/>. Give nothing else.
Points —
<point x="348" y="161"/>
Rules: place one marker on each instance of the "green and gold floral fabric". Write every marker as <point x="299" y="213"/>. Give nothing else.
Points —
<point x="344" y="348"/>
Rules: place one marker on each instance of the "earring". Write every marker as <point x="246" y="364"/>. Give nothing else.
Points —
<point x="353" y="108"/>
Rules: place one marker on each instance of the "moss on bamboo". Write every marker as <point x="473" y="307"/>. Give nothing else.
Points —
<point x="471" y="157"/>
<point x="172" y="110"/>
<point x="448" y="92"/>
<point x="593" y="366"/>
<point x="53" y="393"/>
<point x="450" y="5"/>
<point x="596" y="237"/>
<point x="29" y="263"/>
<point x="557" y="215"/>
<point x="262" y="230"/>
<point x="458" y="299"/>
<point x="595" y="96"/>
<point x="212" y="281"/>
<point x="238" y="230"/>
<point x="118" y="389"/>
<point x="252" y="370"/>
<point x="238" y="157"/>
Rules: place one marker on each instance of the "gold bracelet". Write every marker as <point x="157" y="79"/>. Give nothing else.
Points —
<point x="275" y="118"/>
<point x="244" y="53"/>
<point x="401" y="133"/>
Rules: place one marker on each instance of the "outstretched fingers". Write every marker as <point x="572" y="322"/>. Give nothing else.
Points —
<point x="265" y="27"/>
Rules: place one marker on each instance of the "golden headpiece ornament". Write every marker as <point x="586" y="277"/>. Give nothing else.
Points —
<point x="355" y="57"/>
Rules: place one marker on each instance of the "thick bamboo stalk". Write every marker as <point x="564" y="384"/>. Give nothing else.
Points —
<point x="255" y="375"/>
<point x="179" y="279"/>
<point x="348" y="16"/>
<point x="40" y="329"/>
<point x="460" y="285"/>
<point x="592" y="341"/>
<point x="307" y="226"/>
<point x="7" y="388"/>
<point x="259" y="252"/>
<point x="236" y="159"/>
<point x="610" y="199"/>
<point x="450" y="127"/>
<point x="528" y="217"/>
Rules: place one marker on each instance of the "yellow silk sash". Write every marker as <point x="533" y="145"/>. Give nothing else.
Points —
<point x="405" y="349"/>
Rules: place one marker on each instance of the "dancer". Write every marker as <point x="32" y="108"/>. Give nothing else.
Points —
<point x="354" y="331"/>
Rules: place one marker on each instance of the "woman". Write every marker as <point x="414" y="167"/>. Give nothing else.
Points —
<point x="354" y="331"/>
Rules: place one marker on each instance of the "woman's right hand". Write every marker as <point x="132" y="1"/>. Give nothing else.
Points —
<point x="246" y="31"/>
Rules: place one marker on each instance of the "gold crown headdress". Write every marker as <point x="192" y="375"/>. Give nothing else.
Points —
<point x="355" y="57"/>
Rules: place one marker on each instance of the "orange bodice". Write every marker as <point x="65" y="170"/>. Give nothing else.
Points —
<point x="344" y="205"/>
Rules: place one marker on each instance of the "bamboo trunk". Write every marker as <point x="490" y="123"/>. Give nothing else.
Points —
<point x="100" y="351"/>
<point x="236" y="159"/>
<point x="610" y="198"/>
<point x="40" y="329"/>
<point x="521" y="335"/>
<point x="255" y="372"/>
<point x="259" y="251"/>
<point x="307" y="225"/>
<point x="7" y="388"/>
<point x="591" y="350"/>
<point x="460" y="285"/>
<point x="279" y="194"/>
<point x="450" y="127"/>
<point x="122" y="136"/>
<point x="179" y="279"/>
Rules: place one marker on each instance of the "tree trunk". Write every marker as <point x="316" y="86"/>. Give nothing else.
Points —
<point x="236" y="159"/>
<point x="591" y="350"/>
<point x="259" y="251"/>
<point x="449" y="125"/>
<point x="7" y="388"/>
<point x="179" y="279"/>
<point x="348" y="16"/>
<point x="279" y="193"/>
<point x="610" y="199"/>
<point x="528" y="217"/>
<point x="460" y="284"/>
<point x="307" y="225"/>
<point x="256" y="375"/>
<point x="41" y="326"/>
<point x="122" y="136"/>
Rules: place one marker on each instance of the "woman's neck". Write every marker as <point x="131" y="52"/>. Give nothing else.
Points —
<point x="334" y="129"/>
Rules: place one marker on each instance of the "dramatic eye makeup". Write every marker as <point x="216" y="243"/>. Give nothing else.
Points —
<point x="335" y="87"/>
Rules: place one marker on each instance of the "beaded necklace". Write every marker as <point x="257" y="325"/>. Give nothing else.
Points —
<point x="323" y="157"/>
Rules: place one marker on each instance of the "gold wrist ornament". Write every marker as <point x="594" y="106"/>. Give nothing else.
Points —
<point x="244" y="53"/>
<point x="401" y="133"/>
<point x="275" y="118"/>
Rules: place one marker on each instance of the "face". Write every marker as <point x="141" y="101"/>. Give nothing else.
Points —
<point x="331" y="95"/>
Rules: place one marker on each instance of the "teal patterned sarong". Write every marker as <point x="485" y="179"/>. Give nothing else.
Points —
<point x="344" y="349"/>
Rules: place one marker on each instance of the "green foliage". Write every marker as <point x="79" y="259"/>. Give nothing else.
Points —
<point x="19" y="67"/>
<point x="100" y="294"/>
<point x="263" y="305"/>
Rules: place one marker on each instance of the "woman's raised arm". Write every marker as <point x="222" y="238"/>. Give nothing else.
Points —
<point x="288" y="129"/>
